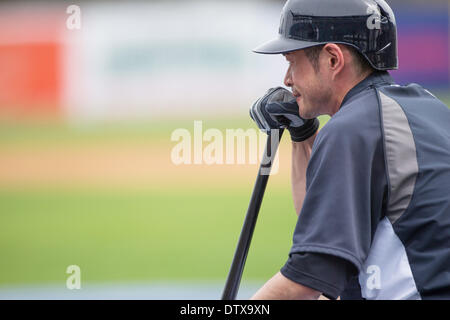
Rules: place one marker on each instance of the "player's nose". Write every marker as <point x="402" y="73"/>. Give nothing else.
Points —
<point x="287" y="78"/>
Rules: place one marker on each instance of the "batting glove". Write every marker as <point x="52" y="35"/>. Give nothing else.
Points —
<point x="278" y="109"/>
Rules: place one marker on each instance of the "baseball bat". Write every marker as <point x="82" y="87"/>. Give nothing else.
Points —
<point x="237" y="266"/>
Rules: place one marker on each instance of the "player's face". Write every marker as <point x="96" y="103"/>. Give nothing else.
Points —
<point x="311" y="89"/>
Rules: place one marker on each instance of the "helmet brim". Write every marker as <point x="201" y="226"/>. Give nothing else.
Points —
<point x="283" y="45"/>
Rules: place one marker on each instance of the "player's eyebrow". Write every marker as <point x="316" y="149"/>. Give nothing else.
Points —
<point x="287" y="56"/>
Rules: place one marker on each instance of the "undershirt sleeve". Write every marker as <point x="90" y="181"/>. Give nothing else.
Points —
<point x="325" y="273"/>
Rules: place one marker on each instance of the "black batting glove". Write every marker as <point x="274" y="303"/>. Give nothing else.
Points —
<point x="277" y="109"/>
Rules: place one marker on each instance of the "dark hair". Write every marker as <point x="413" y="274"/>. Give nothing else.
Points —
<point x="361" y="63"/>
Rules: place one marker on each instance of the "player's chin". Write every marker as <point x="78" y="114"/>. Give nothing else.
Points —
<point x="301" y="107"/>
<point x="304" y="111"/>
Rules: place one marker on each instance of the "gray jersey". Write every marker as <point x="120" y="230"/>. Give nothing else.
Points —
<point x="378" y="191"/>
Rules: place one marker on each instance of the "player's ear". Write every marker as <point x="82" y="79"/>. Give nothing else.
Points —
<point x="333" y="58"/>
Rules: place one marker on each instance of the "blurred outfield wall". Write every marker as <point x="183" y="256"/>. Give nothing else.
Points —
<point x="147" y="59"/>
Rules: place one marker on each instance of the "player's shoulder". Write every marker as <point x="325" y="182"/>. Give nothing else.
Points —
<point x="358" y="118"/>
<point x="413" y="95"/>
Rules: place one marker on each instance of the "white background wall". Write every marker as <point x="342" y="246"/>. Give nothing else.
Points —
<point x="151" y="59"/>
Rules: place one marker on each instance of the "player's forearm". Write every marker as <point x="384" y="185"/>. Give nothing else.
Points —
<point x="301" y="153"/>
<point x="282" y="288"/>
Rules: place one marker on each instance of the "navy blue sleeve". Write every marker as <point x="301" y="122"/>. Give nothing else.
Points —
<point x="345" y="187"/>
<point x="324" y="273"/>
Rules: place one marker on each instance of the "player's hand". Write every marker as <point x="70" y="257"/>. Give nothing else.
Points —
<point x="278" y="109"/>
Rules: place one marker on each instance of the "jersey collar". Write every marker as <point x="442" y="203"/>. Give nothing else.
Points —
<point x="374" y="79"/>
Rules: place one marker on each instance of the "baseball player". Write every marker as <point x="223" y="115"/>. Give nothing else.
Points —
<point x="372" y="188"/>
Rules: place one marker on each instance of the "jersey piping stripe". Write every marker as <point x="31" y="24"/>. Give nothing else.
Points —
<point x="401" y="157"/>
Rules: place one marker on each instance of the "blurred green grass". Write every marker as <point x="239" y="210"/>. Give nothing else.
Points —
<point x="49" y="133"/>
<point x="138" y="235"/>
<point x="118" y="234"/>
<point x="57" y="132"/>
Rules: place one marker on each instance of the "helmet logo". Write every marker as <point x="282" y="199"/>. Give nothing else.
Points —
<point x="374" y="21"/>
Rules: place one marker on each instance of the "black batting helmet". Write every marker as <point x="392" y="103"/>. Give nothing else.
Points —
<point x="367" y="25"/>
